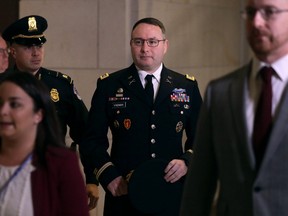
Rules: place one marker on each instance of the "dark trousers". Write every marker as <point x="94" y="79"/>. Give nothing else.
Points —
<point x="121" y="206"/>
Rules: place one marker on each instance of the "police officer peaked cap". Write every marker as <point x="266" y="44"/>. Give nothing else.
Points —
<point x="26" y="31"/>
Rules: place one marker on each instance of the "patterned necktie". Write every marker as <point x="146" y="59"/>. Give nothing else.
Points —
<point x="149" y="88"/>
<point x="263" y="115"/>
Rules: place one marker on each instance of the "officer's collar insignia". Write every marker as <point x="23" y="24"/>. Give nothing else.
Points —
<point x="54" y="95"/>
<point x="168" y="81"/>
<point x="32" y="24"/>
<point x="131" y="80"/>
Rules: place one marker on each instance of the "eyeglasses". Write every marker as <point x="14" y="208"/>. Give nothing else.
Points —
<point x="267" y="13"/>
<point x="150" y="42"/>
<point x="4" y="51"/>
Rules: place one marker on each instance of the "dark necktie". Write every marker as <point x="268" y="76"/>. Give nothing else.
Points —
<point x="149" y="88"/>
<point x="263" y="115"/>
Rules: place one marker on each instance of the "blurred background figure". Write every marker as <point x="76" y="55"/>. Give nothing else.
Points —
<point x="4" y="55"/>
<point x="242" y="134"/>
<point x="38" y="174"/>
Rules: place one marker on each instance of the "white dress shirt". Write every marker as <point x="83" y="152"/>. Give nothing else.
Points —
<point x="155" y="79"/>
<point x="279" y="81"/>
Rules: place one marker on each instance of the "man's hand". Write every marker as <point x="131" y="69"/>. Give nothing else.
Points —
<point x="93" y="195"/>
<point x="118" y="186"/>
<point x="175" y="170"/>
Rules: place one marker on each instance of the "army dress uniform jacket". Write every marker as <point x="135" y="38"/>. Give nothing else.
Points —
<point x="140" y="131"/>
<point x="70" y="108"/>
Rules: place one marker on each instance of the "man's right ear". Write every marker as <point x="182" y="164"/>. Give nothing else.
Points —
<point x="12" y="51"/>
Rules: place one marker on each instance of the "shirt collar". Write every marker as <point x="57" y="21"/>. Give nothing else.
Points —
<point x="280" y="67"/>
<point x="156" y="74"/>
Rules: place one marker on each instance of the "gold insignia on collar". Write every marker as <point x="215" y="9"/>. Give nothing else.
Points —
<point x="190" y="77"/>
<point x="104" y="76"/>
<point x="32" y="24"/>
<point x="54" y="95"/>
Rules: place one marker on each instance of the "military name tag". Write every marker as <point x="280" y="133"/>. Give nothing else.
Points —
<point x="117" y="105"/>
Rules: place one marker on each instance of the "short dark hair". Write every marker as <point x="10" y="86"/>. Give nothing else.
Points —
<point x="48" y="131"/>
<point x="151" y="21"/>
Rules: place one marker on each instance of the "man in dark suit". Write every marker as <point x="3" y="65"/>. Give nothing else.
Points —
<point x="242" y="135"/>
<point x="26" y="38"/>
<point x="145" y="126"/>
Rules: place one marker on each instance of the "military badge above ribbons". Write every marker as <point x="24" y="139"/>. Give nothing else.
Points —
<point x="179" y="95"/>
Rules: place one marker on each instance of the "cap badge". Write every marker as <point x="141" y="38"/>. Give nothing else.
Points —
<point x="54" y="95"/>
<point x="32" y="24"/>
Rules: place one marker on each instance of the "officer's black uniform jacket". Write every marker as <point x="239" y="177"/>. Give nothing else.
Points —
<point x="70" y="108"/>
<point x="140" y="130"/>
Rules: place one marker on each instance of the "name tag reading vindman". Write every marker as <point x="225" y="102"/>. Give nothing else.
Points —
<point x="119" y="105"/>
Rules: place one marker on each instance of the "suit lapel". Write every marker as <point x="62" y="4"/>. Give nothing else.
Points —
<point x="279" y="129"/>
<point x="238" y="89"/>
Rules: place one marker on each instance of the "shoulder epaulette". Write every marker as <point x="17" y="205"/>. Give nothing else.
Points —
<point x="190" y="77"/>
<point x="104" y="76"/>
<point x="61" y="75"/>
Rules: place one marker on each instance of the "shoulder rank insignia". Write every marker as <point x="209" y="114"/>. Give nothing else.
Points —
<point x="61" y="75"/>
<point x="104" y="76"/>
<point x="54" y="95"/>
<point x="67" y="77"/>
<point x="190" y="77"/>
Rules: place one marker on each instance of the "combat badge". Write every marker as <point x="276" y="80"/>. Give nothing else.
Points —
<point x="54" y="95"/>
<point x="179" y="126"/>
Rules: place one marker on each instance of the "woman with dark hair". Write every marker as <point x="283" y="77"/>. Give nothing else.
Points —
<point x="38" y="174"/>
